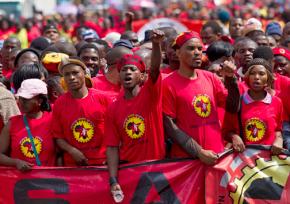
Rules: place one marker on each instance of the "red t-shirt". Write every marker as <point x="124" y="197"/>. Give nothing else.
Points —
<point x="136" y="125"/>
<point x="281" y="86"/>
<point x="167" y="70"/>
<point x="260" y="120"/>
<point x="7" y="73"/>
<point x="21" y="147"/>
<point x="81" y="123"/>
<point x="101" y="83"/>
<point x="193" y="103"/>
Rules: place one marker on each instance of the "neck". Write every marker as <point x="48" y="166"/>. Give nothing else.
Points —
<point x="80" y="93"/>
<point x="34" y="115"/>
<point x="187" y="72"/>
<point x="257" y="95"/>
<point x="174" y="65"/>
<point x="131" y="93"/>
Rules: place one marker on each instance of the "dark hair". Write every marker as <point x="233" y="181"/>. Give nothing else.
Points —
<point x="218" y="50"/>
<point x="88" y="46"/>
<point x="61" y="47"/>
<point x="24" y="51"/>
<point x="27" y="71"/>
<point x="216" y="28"/>
<point x="44" y="106"/>
<point x="263" y="52"/>
<point x="260" y="61"/>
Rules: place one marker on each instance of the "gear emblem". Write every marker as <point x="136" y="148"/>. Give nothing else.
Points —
<point x="83" y="130"/>
<point x="26" y="146"/>
<point x="255" y="129"/>
<point x="202" y="105"/>
<point x="254" y="178"/>
<point x="134" y="126"/>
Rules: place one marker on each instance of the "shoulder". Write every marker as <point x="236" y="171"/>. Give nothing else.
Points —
<point x="5" y="94"/>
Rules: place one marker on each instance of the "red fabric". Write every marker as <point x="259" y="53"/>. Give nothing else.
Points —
<point x="193" y="103"/>
<point x="101" y="83"/>
<point x="88" y="24"/>
<point x="184" y="37"/>
<point x="81" y="123"/>
<point x="21" y="147"/>
<point x="167" y="70"/>
<point x="137" y="125"/>
<point x="282" y="88"/>
<point x="259" y="121"/>
<point x="281" y="51"/>
<point x="7" y="73"/>
<point x="129" y="59"/>
<point x="33" y="33"/>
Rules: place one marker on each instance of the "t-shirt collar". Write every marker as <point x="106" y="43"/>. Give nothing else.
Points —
<point x="247" y="98"/>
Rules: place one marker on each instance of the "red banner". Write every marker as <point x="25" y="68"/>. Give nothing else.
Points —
<point x="251" y="177"/>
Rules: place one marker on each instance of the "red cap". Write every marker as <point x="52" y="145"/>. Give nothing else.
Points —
<point x="281" y="51"/>
<point x="130" y="59"/>
<point x="184" y="37"/>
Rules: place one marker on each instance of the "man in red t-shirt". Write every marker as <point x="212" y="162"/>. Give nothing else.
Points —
<point x="110" y="81"/>
<point x="78" y="118"/>
<point x="190" y="100"/>
<point x="135" y="132"/>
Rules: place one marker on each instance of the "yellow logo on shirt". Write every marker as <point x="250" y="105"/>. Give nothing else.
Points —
<point x="255" y="129"/>
<point x="83" y="130"/>
<point x="134" y="126"/>
<point x="26" y="146"/>
<point x="202" y="105"/>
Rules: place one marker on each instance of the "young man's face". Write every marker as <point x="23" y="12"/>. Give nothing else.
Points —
<point x="91" y="58"/>
<point x="208" y="36"/>
<point x="52" y="34"/>
<point x="130" y="76"/>
<point x="235" y="28"/>
<point x="281" y="66"/>
<point x="190" y="54"/>
<point x="74" y="77"/>
<point x="9" y="44"/>
<point x="245" y="52"/>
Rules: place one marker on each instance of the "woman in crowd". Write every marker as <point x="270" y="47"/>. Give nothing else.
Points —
<point x="27" y="140"/>
<point x="259" y="120"/>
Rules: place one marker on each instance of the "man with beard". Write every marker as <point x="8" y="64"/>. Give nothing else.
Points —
<point x="190" y="115"/>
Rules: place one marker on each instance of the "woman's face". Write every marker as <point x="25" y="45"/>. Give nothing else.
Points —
<point x="29" y="105"/>
<point x="258" y="78"/>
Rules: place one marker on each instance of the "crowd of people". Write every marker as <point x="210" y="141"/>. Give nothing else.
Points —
<point x="77" y="91"/>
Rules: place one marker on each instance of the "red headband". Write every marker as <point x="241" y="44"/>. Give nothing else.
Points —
<point x="130" y="59"/>
<point x="281" y="51"/>
<point x="184" y="37"/>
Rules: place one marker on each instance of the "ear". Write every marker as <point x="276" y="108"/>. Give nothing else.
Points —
<point x="143" y="77"/>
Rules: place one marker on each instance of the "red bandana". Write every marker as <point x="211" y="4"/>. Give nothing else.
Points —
<point x="184" y="37"/>
<point x="129" y="59"/>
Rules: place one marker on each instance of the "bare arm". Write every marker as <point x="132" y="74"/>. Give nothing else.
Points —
<point x="76" y="154"/>
<point x="129" y="16"/>
<point x="4" y="147"/>
<point x="277" y="146"/>
<point x="156" y="55"/>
